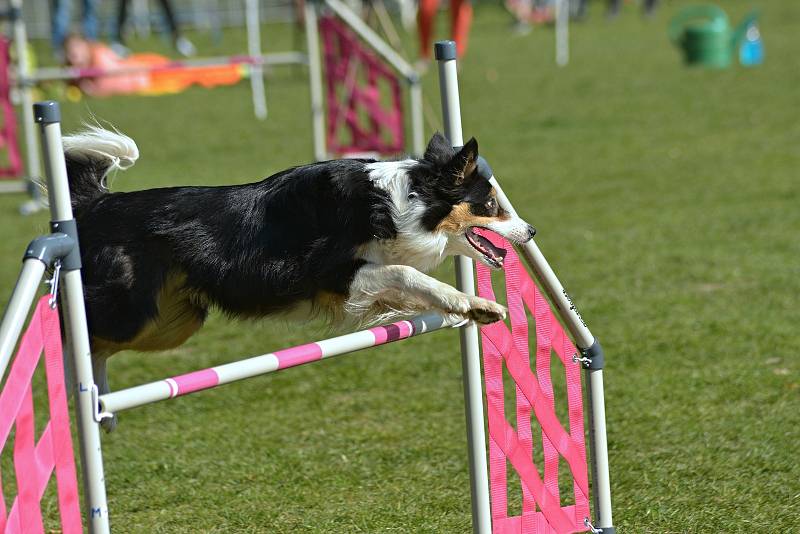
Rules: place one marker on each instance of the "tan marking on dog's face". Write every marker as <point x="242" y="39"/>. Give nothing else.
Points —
<point x="181" y="313"/>
<point x="461" y="217"/>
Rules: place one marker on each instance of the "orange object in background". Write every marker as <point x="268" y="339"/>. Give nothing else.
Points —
<point x="175" y="80"/>
<point x="163" y="76"/>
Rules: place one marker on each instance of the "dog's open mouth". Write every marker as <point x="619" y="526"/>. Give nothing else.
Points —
<point x="493" y="255"/>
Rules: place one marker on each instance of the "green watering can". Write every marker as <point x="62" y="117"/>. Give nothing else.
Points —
<point x="704" y="34"/>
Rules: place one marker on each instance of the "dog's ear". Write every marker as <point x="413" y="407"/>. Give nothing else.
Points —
<point x="439" y="151"/>
<point x="462" y="166"/>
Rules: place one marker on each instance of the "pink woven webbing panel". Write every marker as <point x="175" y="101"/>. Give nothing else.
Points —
<point x="542" y="509"/>
<point x="34" y="462"/>
<point x="354" y="75"/>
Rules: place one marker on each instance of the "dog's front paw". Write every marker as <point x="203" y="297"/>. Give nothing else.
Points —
<point x="484" y="311"/>
<point x="455" y="319"/>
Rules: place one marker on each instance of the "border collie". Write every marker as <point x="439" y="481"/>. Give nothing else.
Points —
<point x="347" y="238"/>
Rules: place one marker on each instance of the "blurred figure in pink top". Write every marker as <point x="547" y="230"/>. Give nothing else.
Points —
<point x="171" y="78"/>
<point x="82" y="53"/>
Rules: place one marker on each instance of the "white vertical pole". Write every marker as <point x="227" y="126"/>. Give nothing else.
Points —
<point x="32" y="162"/>
<point x="601" y="482"/>
<point x="315" y="80"/>
<point x="562" y="32"/>
<point x="417" y="135"/>
<point x="465" y="281"/>
<point x="49" y="116"/>
<point x="253" y="22"/>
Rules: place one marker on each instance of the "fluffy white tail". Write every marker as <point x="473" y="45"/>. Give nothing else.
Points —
<point x="99" y="146"/>
<point x="91" y="155"/>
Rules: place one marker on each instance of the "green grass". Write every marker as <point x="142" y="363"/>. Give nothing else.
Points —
<point x="667" y="200"/>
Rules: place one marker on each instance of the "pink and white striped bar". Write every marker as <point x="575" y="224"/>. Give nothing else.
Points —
<point x="268" y="363"/>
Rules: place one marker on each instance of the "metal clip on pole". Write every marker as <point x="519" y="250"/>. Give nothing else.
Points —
<point x="54" y="284"/>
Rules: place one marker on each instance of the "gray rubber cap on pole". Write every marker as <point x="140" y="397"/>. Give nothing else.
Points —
<point x="444" y="50"/>
<point x="47" y="112"/>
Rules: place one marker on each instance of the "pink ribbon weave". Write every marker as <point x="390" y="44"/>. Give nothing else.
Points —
<point x="35" y="462"/>
<point x="8" y="130"/>
<point x="534" y="395"/>
<point x="358" y="119"/>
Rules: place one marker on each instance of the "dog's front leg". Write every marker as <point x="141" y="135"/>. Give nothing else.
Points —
<point x="383" y="289"/>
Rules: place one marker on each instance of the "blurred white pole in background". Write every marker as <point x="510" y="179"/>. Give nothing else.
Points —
<point x="562" y="32"/>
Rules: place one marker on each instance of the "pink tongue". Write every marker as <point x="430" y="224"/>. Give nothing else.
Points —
<point x="487" y="240"/>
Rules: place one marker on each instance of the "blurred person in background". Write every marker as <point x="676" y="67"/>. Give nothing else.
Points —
<point x="147" y="73"/>
<point x="183" y="45"/>
<point x="614" y="7"/>
<point x="530" y="12"/>
<point x="60" y="18"/>
<point x="461" y="17"/>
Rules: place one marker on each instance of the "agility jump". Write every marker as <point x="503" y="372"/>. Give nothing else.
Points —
<point x="59" y="250"/>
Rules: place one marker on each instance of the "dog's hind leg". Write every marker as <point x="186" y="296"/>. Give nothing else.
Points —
<point x="98" y="373"/>
<point x="69" y="367"/>
<point x="403" y="289"/>
<point x="101" y="381"/>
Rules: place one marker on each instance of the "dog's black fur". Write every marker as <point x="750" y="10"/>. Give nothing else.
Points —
<point x="251" y="250"/>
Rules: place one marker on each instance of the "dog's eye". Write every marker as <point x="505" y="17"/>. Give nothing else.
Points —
<point x="491" y="204"/>
<point x="412" y="196"/>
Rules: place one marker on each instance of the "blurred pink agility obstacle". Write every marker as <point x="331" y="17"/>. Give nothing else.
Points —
<point x="35" y="462"/>
<point x="358" y="122"/>
<point x="12" y="167"/>
<point x="533" y="392"/>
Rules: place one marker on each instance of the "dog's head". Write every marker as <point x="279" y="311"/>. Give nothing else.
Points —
<point x="450" y="198"/>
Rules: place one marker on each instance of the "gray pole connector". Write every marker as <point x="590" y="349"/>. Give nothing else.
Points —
<point x="49" y="248"/>
<point x="46" y="112"/>
<point x="484" y="170"/>
<point x="444" y="50"/>
<point x="593" y="357"/>
<point x="72" y="261"/>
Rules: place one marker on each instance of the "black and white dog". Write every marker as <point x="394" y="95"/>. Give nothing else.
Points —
<point x="347" y="238"/>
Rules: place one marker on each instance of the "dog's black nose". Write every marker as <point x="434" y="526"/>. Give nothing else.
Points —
<point x="531" y="231"/>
